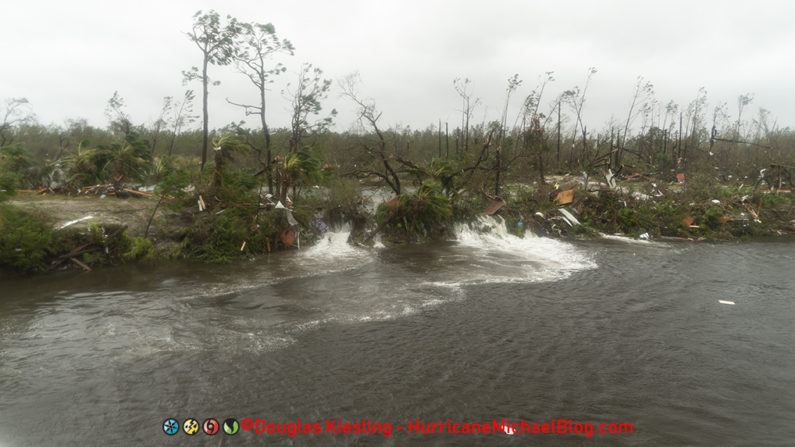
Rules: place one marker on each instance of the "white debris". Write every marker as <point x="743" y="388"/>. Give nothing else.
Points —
<point x="72" y="222"/>
<point x="570" y="219"/>
<point x="611" y="181"/>
<point x="731" y="303"/>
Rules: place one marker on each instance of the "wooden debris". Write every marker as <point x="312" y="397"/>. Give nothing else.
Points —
<point x="565" y="197"/>
<point x="494" y="206"/>
<point x="751" y="211"/>
<point x="138" y="193"/>
<point x="87" y="268"/>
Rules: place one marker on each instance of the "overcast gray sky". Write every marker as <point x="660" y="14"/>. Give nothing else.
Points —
<point x="68" y="57"/>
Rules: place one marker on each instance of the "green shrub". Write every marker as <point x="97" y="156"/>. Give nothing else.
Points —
<point x="416" y="214"/>
<point x="628" y="220"/>
<point x="140" y="248"/>
<point x="24" y="239"/>
<point x="711" y="217"/>
<point x="217" y="239"/>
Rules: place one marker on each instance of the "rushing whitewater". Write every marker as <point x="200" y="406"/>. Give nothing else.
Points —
<point x="495" y="255"/>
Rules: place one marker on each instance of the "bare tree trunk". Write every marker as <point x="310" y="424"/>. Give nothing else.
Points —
<point x="218" y="179"/>
<point x="440" y="138"/>
<point x="498" y="153"/>
<point x="154" y="138"/>
<point x="149" y="223"/>
<point x="206" y="113"/>
<point x="466" y="131"/>
<point x="558" y="154"/>
<point x="447" y="140"/>
<point x="266" y="132"/>
<point x="584" y="144"/>
<point x="679" y="145"/>
<point x="541" y="167"/>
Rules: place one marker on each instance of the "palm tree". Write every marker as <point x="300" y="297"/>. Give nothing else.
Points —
<point x="304" y="165"/>
<point x="127" y="160"/>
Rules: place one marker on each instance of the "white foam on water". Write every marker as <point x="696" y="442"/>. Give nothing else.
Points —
<point x="630" y="240"/>
<point x="334" y="244"/>
<point x="499" y="256"/>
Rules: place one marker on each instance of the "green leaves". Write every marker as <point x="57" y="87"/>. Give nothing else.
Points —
<point x="213" y="38"/>
<point x="129" y="159"/>
<point x="24" y="239"/>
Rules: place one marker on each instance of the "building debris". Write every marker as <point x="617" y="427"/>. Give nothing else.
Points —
<point x="202" y="206"/>
<point x="568" y="217"/>
<point x="565" y="197"/>
<point x="290" y="219"/>
<point x="72" y="222"/>
<point x="611" y="179"/>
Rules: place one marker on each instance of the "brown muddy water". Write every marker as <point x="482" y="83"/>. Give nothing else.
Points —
<point x="489" y="327"/>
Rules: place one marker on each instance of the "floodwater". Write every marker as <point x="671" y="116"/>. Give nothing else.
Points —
<point x="488" y="327"/>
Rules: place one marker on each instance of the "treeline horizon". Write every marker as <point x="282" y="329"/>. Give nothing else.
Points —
<point x="548" y="135"/>
<point x="751" y="140"/>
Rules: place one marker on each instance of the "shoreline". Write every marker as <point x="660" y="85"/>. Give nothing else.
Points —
<point x="90" y="232"/>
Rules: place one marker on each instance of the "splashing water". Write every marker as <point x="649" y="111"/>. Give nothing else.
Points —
<point x="334" y="244"/>
<point x="498" y="256"/>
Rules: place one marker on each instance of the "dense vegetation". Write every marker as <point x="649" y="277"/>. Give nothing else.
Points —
<point x="438" y="174"/>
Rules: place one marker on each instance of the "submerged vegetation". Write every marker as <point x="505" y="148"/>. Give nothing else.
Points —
<point x="670" y="171"/>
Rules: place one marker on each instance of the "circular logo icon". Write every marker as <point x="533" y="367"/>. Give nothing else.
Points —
<point x="231" y="426"/>
<point x="211" y="426"/>
<point x="190" y="426"/>
<point x="170" y="426"/>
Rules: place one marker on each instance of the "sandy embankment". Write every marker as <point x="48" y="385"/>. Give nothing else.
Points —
<point x="133" y="212"/>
